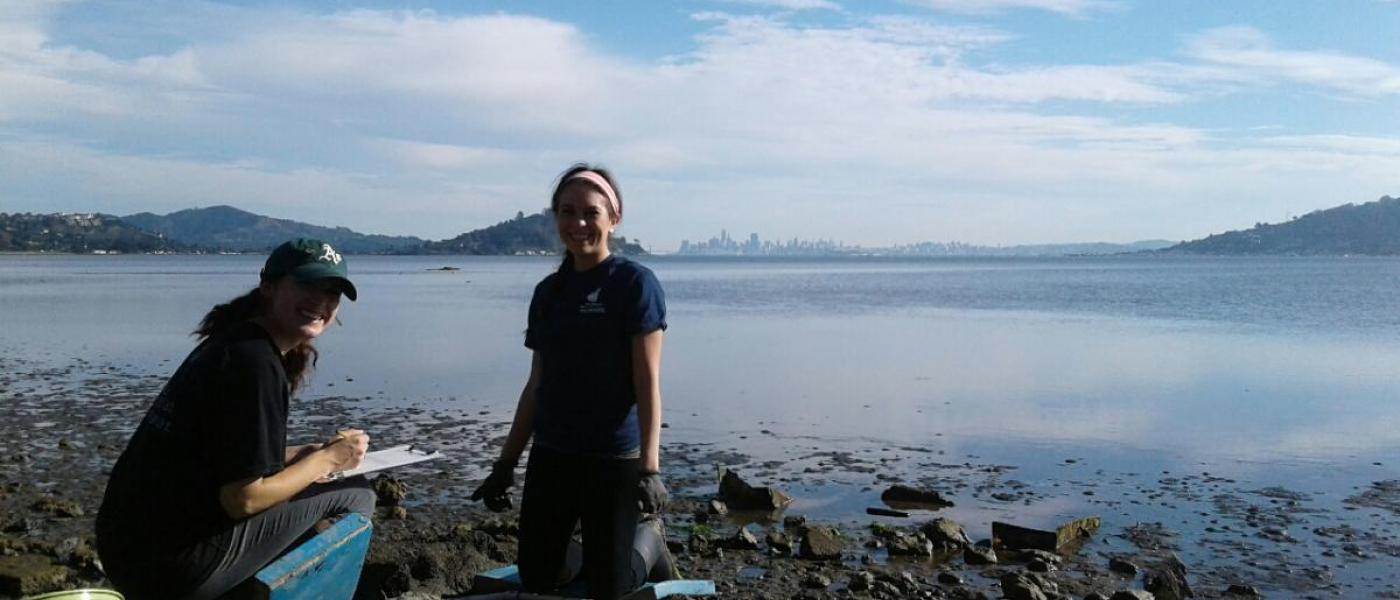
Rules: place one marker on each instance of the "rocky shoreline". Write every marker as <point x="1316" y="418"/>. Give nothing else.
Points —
<point x="1171" y="535"/>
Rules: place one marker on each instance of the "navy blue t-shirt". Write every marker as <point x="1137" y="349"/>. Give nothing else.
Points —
<point x="582" y="325"/>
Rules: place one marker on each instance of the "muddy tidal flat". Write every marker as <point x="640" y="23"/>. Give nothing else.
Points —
<point x="1170" y="534"/>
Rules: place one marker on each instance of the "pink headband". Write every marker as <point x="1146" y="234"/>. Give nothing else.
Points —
<point x="602" y="184"/>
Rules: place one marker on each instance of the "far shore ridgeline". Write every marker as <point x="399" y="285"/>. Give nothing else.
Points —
<point x="1369" y="229"/>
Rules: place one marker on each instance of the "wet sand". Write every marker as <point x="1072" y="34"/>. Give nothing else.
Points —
<point x="62" y="427"/>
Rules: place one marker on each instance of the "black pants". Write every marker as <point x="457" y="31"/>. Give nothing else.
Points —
<point x="564" y="490"/>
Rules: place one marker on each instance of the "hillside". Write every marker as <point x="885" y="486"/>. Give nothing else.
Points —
<point x="1371" y="229"/>
<point x="81" y="233"/>
<point x="226" y="228"/>
<point x="532" y="234"/>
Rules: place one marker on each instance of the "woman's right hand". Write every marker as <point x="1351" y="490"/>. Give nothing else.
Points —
<point x="344" y="451"/>
<point x="359" y="442"/>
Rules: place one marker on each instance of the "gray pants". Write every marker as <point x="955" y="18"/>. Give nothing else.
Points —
<point x="261" y="538"/>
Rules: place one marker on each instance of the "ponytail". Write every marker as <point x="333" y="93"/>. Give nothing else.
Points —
<point x="297" y="362"/>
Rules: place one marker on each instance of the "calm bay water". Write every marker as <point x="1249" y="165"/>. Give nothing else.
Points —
<point x="1267" y="359"/>
<point x="1260" y="359"/>
<point x="1275" y="371"/>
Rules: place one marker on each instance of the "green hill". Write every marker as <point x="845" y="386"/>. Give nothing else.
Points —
<point x="532" y="234"/>
<point x="225" y="228"/>
<point x="81" y="233"/>
<point x="1371" y="229"/>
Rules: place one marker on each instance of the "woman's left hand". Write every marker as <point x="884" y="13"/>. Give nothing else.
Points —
<point x="652" y="494"/>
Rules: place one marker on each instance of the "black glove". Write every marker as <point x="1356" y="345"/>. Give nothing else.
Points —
<point x="652" y="494"/>
<point x="494" y="489"/>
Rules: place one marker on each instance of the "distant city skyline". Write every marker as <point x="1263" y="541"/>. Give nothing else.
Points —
<point x="755" y="245"/>
<point x="993" y="122"/>
<point x="723" y="244"/>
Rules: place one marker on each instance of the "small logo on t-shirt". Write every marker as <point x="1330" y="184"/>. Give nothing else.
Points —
<point x="591" y="305"/>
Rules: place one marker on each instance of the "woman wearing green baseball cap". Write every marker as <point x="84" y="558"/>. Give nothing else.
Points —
<point x="207" y="491"/>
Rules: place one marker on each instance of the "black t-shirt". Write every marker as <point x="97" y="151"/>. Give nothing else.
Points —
<point x="222" y="417"/>
<point x="582" y="324"/>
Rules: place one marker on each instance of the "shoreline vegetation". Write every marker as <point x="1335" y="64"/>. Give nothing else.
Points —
<point x="1369" y="229"/>
<point x="227" y="230"/>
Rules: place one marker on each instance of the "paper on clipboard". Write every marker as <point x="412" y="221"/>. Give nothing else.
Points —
<point x="388" y="458"/>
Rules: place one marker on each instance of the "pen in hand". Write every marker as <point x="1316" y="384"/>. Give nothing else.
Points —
<point x="358" y="441"/>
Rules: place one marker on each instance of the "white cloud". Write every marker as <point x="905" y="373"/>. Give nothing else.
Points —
<point x="888" y="122"/>
<point x="441" y="156"/>
<point x="78" y="179"/>
<point x="1340" y="144"/>
<point x="1252" y="56"/>
<point x="985" y="7"/>
<point x="789" y="4"/>
<point x="507" y="71"/>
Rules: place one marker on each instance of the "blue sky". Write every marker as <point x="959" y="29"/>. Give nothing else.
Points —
<point x="982" y="121"/>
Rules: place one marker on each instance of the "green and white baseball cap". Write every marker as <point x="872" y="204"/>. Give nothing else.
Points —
<point x="309" y="261"/>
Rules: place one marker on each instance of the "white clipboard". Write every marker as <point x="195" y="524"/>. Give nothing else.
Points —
<point x="388" y="458"/>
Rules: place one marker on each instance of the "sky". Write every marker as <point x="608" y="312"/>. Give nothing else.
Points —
<point x="872" y="123"/>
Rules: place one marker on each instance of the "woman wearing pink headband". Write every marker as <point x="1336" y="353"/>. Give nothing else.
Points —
<point x="592" y="404"/>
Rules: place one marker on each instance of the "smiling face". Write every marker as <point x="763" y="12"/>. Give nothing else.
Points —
<point x="298" y="312"/>
<point x="584" y="219"/>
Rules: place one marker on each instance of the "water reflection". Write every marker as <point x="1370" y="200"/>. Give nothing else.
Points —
<point x="954" y="355"/>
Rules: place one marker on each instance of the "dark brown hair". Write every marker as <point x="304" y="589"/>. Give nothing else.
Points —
<point x="297" y="362"/>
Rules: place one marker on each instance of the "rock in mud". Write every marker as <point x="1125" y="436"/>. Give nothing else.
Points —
<point x="1016" y="537"/>
<point x="903" y="494"/>
<point x="1122" y="566"/>
<point x="778" y="542"/>
<point x="700" y="544"/>
<point x="1041" y="555"/>
<point x="946" y="534"/>
<point x="58" y="507"/>
<point x="861" y="581"/>
<point x="1242" y="591"/>
<point x="28" y="574"/>
<point x="390" y="491"/>
<point x="910" y="545"/>
<point x="1019" y="586"/>
<point x="1131" y="595"/>
<point x="77" y="553"/>
<point x="744" y="539"/>
<point x="738" y="494"/>
<point x="821" y="543"/>
<point x="717" y="508"/>
<point x="886" y="512"/>
<point x="979" y="555"/>
<point x="1167" y="581"/>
